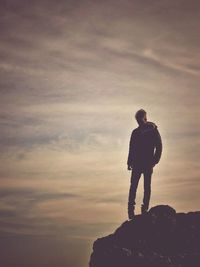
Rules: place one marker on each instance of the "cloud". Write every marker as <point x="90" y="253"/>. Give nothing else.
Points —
<point x="73" y="74"/>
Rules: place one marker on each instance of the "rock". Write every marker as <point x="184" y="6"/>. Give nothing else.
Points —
<point x="160" y="238"/>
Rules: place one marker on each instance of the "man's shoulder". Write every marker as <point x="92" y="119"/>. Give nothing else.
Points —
<point x="134" y="131"/>
<point x="152" y="125"/>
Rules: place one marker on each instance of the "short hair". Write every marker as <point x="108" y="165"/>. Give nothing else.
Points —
<point x="140" y="114"/>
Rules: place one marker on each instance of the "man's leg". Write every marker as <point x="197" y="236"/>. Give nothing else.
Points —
<point x="135" y="177"/>
<point x="147" y="189"/>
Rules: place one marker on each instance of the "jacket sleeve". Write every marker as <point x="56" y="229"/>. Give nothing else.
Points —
<point x="158" y="147"/>
<point x="131" y="147"/>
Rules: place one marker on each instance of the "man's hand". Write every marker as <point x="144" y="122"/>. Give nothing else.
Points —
<point x="129" y="168"/>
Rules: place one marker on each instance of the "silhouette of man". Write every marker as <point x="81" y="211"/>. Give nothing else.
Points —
<point x="145" y="150"/>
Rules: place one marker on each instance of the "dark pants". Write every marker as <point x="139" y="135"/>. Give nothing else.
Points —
<point x="135" y="177"/>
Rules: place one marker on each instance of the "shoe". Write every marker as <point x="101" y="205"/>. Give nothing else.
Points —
<point x="144" y="209"/>
<point x="131" y="212"/>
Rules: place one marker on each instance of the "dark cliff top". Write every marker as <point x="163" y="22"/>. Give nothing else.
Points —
<point x="159" y="238"/>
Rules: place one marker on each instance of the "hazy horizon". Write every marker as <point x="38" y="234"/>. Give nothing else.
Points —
<point x="73" y="74"/>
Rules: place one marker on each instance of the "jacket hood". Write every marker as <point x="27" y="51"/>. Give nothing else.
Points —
<point x="148" y="126"/>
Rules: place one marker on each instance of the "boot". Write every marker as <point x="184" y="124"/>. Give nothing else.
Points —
<point x="131" y="212"/>
<point x="144" y="209"/>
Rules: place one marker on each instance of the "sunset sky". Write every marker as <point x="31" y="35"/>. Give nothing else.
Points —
<point x="73" y="74"/>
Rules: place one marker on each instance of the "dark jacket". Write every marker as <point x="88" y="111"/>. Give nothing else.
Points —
<point x="145" y="146"/>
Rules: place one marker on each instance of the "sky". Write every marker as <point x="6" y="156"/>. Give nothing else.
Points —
<point x="73" y="74"/>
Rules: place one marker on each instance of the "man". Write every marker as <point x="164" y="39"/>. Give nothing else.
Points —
<point x="145" y="150"/>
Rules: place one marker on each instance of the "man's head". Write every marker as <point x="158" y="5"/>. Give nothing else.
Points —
<point x="141" y="116"/>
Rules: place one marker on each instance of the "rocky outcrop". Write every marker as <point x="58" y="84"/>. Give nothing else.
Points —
<point x="160" y="238"/>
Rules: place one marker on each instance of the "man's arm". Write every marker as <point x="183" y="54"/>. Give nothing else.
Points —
<point x="158" y="146"/>
<point x="130" y="154"/>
